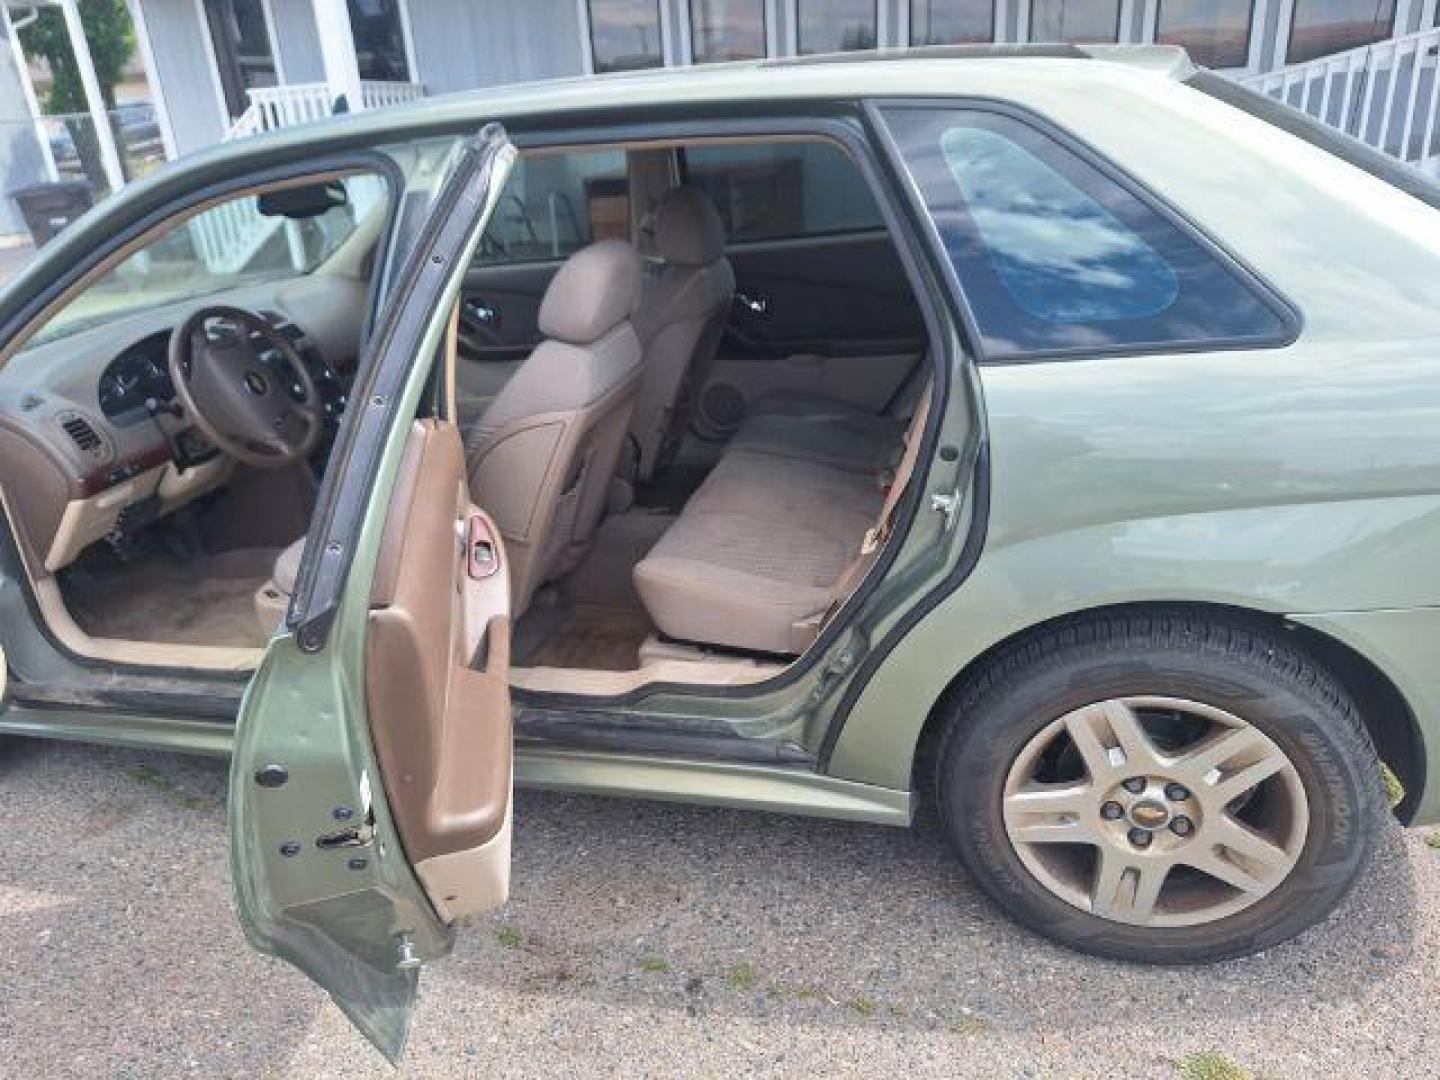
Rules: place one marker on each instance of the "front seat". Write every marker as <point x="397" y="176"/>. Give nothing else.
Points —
<point x="683" y="310"/>
<point x="542" y="455"/>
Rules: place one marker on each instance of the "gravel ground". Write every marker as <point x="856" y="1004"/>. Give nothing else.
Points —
<point x="646" y="939"/>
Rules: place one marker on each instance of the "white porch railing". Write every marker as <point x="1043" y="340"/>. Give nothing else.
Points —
<point x="1386" y="94"/>
<point x="229" y="235"/>
<point x="274" y="107"/>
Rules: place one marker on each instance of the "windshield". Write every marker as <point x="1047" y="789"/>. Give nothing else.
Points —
<point x="223" y="248"/>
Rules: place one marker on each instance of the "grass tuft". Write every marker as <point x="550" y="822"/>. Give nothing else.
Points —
<point x="653" y="965"/>
<point x="509" y="937"/>
<point x="1211" y="1065"/>
<point x="742" y="976"/>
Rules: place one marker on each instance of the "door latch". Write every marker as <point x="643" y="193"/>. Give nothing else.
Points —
<point x="948" y="503"/>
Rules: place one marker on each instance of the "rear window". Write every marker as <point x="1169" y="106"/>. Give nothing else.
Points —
<point x="1056" y="256"/>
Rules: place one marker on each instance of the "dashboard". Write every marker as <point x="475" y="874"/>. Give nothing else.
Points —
<point x="137" y="381"/>
<point x="93" y="439"/>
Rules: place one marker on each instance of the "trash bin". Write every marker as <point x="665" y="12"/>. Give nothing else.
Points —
<point x="48" y="208"/>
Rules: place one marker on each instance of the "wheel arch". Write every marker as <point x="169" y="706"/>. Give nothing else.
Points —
<point x="1388" y="716"/>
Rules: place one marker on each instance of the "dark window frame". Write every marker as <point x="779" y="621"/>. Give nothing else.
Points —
<point x="910" y="30"/>
<point x="1290" y="34"/>
<point x="1119" y="22"/>
<point x="800" y="41"/>
<point x="1249" y="31"/>
<point x="1289" y="316"/>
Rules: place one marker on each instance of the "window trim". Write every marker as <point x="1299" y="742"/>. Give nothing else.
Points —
<point x="1290" y="317"/>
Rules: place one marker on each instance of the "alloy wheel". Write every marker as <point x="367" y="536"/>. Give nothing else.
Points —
<point x="1155" y="811"/>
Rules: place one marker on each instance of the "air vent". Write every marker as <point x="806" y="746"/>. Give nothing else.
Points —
<point x="83" y="435"/>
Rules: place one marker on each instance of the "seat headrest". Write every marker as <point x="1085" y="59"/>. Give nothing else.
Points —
<point x="688" y="231"/>
<point x="593" y="292"/>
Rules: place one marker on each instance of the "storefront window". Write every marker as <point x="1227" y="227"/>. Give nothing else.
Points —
<point x="625" y="34"/>
<point x="951" y="22"/>
<point x="1216" y="33"/>
<point x="727" y="30"/>
<point x="1322" y="27"/>
<point x="835" y="25"/>
<point x="1075" y="20"/>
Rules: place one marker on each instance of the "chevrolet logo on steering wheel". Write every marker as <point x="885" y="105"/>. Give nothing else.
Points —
<point x="256" y="383"/>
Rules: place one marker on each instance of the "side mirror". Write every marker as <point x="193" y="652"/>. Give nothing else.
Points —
<point x="307" y="201"/>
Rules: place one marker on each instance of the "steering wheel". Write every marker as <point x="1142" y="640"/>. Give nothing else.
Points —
<point x="242" y="404"/>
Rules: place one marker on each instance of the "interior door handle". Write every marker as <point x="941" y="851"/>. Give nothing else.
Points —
<point x="481" y="312"/>
<point x="756" y="305"/>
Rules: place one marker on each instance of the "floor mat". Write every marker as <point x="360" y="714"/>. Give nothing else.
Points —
<point x="159" y="597"/>
<point x="593" y="617"/>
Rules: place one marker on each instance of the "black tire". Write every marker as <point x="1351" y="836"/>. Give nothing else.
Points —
<point x="1231" y="663"/>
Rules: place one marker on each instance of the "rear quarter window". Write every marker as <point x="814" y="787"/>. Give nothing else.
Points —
<point x="1058" y="256"/>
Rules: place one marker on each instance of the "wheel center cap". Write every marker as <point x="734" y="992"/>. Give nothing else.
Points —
<point x="1150" y="814"/>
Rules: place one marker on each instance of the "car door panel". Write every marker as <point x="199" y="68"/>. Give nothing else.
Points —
<point x="370" y="779"/>
<point x="832" y="316"/>
<point x="441" y="726"/>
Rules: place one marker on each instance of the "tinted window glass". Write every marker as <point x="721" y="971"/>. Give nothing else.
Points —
<point x="625" y="34"/>
<point x="951" y="22"/>
<point x="780" y="190"/>
<point x="727" y="30"/>
<point x="1321" y="27"/>
<point x="555" y="204"/>
<point x="1216" y="33"/>
<point x="1055" y="255"/>
<point x="835" y="25"/>
<point x="1074" y="20"/>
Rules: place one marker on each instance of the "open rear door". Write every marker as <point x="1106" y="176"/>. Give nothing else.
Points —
<point x="371" y="779"/>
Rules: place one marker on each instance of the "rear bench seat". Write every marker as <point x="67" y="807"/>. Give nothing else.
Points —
<point x="758" y="555"/>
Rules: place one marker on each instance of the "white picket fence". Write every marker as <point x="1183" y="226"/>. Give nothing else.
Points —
<point x="1386" y="95"/>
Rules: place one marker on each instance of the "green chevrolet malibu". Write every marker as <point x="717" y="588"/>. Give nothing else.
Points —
<point x="1047" y="436"/>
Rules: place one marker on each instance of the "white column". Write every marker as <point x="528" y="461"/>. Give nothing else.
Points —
<point x="22" y="72"/>
<point x="152" y="76"/>
<point x="337" y="52"/>
<point x="104" y="133"/>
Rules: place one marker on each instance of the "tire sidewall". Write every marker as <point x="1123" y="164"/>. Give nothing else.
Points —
<point x="1307" y="726"/>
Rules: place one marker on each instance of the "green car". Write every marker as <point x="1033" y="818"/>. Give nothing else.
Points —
<point x="1048" y="436"/>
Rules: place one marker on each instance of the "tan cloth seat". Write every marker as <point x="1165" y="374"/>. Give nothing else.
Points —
<point x="683" y="309"/>
<point x="542" y="454"/>
<point x="752" y="560"/>
<point x="822" y="430"/>
<point x="770" y="544"/>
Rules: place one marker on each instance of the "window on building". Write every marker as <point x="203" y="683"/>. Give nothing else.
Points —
<point x="1322" y="27"/>
<point x="951" y="22"/>
<point x="626" y="34"/>
<point x="727" y="30"/>
<point x="1075" y="20"/>
<point x="379" y="40"/>
<point x="1216" y="33"/>
<point x="1055" y="256"/>
<point x="243" y="58"/>
<point x="783" y="190"/>
<point x="555" y="204"/>
<point x="834" y="25"/>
